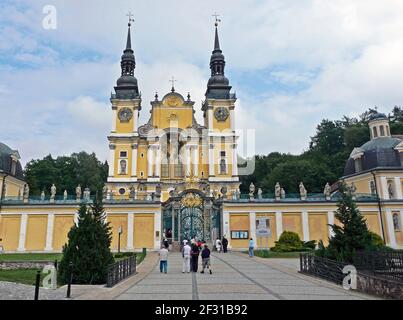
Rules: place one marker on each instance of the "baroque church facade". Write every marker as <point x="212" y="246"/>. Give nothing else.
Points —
<point x="175" y="178"/>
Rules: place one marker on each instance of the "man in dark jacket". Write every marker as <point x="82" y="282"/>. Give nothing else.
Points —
<point x="195" y="257"/>
<point x="224" y="243"/>
<point x="206" y="259"/>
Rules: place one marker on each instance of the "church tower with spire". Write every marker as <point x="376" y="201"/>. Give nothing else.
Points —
<point x="126" y="104"/>
<point x="219" y="118"/>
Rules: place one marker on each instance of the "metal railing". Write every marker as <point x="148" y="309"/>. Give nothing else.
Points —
<point x="321" y="267"/>
<point x="295" y="197"/>
<point x="121" y="270"/>
<point x="385" y="264"/>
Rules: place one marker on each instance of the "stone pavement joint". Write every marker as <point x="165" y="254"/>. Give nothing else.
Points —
<point x="195" y="293"/>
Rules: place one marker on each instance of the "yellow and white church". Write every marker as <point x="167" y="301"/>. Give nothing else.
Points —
<point x="175" y="178"/>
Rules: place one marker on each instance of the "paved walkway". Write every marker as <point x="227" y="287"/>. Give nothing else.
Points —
<point x="235" y="277"/>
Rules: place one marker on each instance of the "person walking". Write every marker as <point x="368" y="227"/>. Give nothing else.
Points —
<point x="218" y="244"/>
<point x="166" y="243"/>
<point x="251" y="247"/>
<point x="195" y="257"/>
<point x="163" y="260"/>
<point x="224" y="243"/>
<point x="186" y="257"/>
<point x="205" y="254"/>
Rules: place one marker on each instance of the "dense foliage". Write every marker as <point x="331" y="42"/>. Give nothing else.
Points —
<point x="66" y="173"/>
<point x="324" y="160"/>
<point x="352" y="235"/>
<point x="88" y="247"/>
<point x="290" y="242"/>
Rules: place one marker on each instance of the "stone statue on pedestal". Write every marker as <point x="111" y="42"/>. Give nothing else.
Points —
<point x="277" y="191"/>
<point x="43" y="196"/>
<point x="26" y="193"/>
<point x="158" y="192"/>
<point x="52" y="193"/>
<point x="132" y="193"/>
<point x="302" y="191"/>
<point x="78" y="193"/>
<point x="282" y="193"/>
<point x="65" y="195"/>
<point x="251" y="191"/>
<point x="353" y="190"/>
<point x="105" y="192"/>
<point x="224" y="191"/>
<point x="259" y="194"/>
<point x="326" y="191"/>
<point x="87" y="194"/>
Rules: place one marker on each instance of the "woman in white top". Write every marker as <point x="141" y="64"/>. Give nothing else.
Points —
<point x="218" y="245"/>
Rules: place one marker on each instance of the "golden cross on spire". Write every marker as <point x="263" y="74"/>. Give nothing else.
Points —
<point x="216" y="19"/>
<point x="173" y="83"/>
<point x="130" y="15"/>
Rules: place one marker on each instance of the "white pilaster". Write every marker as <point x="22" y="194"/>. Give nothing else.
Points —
<point x="111" y="160"/>
<point x="391" y="229"/>
<point x="210" y="118"/>
<point x="150" y="161"/>
<point x="114" y="117"/>
<point x="384" y="186"/>
<point x="23" y="232"/>
<point x="226" y="230"/>
<point x="157" y="227"/>
<point x="305" y="225"/>
<point x="211" y="161"/>
<point x="252" y="226"/>
<point x="76" y="219"/>
<point x="187" y="150"/>
<point x="234" y="161"/>
<point x="195" y="160"/>
<point x="401" y="220"/>
<point x="135" y="119"/>
<point x="398" y="188"/>
<point x="279" y="223"/>
<point x="49" y="232"/>
<point x="158" y="162"/>
<point x="232" y="118"/>
<point x="130" y="231"/>
<point x="134" y="160"/>
<point x="330" y="220"/>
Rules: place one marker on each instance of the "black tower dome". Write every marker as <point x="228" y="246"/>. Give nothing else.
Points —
<point x="218" y="85"/>
<point x="127" y="87"/>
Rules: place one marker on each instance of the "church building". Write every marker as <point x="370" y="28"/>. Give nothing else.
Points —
<point x="174" y="178"/>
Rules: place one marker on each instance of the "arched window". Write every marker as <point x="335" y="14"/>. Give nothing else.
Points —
<point x="396" y="221"/>
<point x="223" y="166"/>
<point x="382" y="131"/>
<point x="123" y="166"/>
<point x="375" y="132"/>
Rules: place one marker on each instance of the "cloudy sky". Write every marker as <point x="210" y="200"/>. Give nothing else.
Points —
<point x="291" y="63"/>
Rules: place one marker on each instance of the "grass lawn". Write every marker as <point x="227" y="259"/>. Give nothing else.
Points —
<point x="272" y="254"/>
<point x="30" y="256"/>
<point x="25" y="276"/>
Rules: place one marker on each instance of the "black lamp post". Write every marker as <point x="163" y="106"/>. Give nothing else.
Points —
<point x="120" y="231"/>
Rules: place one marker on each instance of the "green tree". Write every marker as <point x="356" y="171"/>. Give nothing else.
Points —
<point x="352" y="235"/>
<point x="88" y="247"/>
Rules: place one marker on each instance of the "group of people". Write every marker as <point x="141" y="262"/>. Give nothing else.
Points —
<point x="190" y="254"/>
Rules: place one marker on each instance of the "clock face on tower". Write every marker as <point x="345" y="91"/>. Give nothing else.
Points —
<point x="125" y="114"/>
<point x="221" y="114"/>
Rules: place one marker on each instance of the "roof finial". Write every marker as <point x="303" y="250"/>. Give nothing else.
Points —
<point x="173" y="83"/>
<point x="130" y="15"/>
<point x="216" y="19"/>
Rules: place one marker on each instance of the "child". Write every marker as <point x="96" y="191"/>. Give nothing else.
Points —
<point x="163" y="260"/>
<point x="206" y="259"/>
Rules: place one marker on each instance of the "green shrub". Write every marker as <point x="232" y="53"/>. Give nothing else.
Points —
<point x="376" y="240"/>
<point x="289" y="241"/>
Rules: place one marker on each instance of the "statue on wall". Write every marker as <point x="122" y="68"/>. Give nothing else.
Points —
<point x="132" y="193"/>
<point x="224" y="191"/>
<point x="326" y="191"/>
<point x="302" y="191"/>
<point x="78" y="192"/>
<point x="87" y="194"/>
<point x="259" y="194"/>
<point x="277" y="191"/>
<point x="158" y="192"/>
<point x="390" y="190"/>
<point x="52" y="192"/>
<point x="105" y="192"/>
<point x="353" y="190"/>
<point x="252" y="191"/>
<point x="282" y="192"/>
<point x="43" y="195"/>
<point x="26" y="192"/>
<point x="65" y="195"/>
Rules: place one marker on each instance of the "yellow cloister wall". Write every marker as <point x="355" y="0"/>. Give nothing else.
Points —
<point x="293" y="222"/>
<point x="144" y="231"/>
<point x="261" y="242"/>
<point x="142" y="161"/>
<point x="165" y="117"/>
<point x="239" y="222"/>
<point x="36" y="232"/>
<point x="10" y="231"/>
<point x="61" y="227"/>
<point x="318" y="229"/>
<point x="115" y="222"/>
<point x="373" y="222"/>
